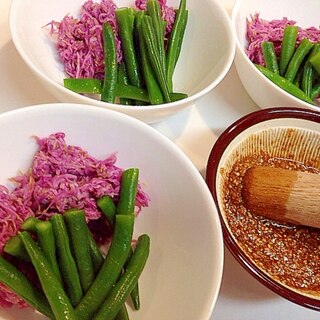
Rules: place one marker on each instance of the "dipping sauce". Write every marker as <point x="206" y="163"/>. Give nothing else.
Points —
<point x="288" y="254"/>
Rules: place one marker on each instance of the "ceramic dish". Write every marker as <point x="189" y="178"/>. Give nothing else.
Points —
<point x="181" y="219"/>
<point x="281" y="257"/>
<point x="264" y="92"/>
<point x="207" y="53"/>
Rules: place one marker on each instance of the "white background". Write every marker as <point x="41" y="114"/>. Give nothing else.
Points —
<point x="194" y="130"/>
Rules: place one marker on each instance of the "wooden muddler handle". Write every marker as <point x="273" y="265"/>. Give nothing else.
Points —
<point x="284" y="195"/>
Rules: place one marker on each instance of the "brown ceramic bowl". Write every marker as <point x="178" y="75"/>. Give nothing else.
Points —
<point x="284" y="258"/>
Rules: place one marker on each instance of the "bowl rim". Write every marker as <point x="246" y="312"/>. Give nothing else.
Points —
<point x="215" y="155"/>
<point x="230" y="39"/>
<point x="241" y="51"/>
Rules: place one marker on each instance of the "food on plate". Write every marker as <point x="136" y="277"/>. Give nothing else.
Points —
<point x="68" y="198"/>
<point x="287" y="55"/>
<point x="126" y="55"/>
<point x="287" y="253"/>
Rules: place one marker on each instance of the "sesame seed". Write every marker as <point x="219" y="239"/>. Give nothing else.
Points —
<point x="289" y="254"/>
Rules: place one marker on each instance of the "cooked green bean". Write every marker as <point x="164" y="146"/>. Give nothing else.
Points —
<point x="154" y="10"/>
<point x="181" y="34"/>
<point x="108" y="208"/>
<point x="119" y="293"/>
<point x="154" y="91"/>
<point x="66" y="261"/>
<point x="18" y="283"/>
<point x="125" y="18"/>
<point x="288" y="47"/>
<point x="151" y="46"/>
<point x="57" y="298"/>
<point x="128" y="191"/>
<point x="122" y="314"/>
<point x="315" y="61"/>
<point x="111" y="65"/>
<point x="135" y="293"/>
<point x="175" y="41"/>
<point x="176" y="96"/>
<point x="15" y="247"/>
<point x="270" y="57"/>
<point x="315" y="92"/>
<point x="47" y="244"/>
<point x="110" y="269"/>
<point x="308" y="72"/>
<point x="96" y="255"/>
<point x="301" y="52"/>
<point x="83" y="85"/>
<point x="131" y="92"/>
<point x="29" y="224"/>
<point x="284" y="84"/>
<point x="123" y="79"/>
<point x="126" y="204"/>
<point x="78" y="232"/>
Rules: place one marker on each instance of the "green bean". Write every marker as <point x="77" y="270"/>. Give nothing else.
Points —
<point x="131" y="92"/>
<point x="181" y="34"/>
<point x="122" y="314"/>
<point x="110" y="269"/>
<point x="123" y="91"/>
<point x="135" y="293"/>
<point x="308" y="72"/>
<point x="128" y="191"/>
<point x="83" y="85"/>
<point x="95" y="253"/>
<point x="18" y="283"/>
<point x="29" y="224"/>
<point x="270" y="57"/>
<point x="175" y="41"/>
<point x="126" y="205"/>
<point x="152" y="95"/>
<point x="47" y="244"/>
<point x="154" y="91"/>
<point x="58" y="300"/>
<point x="111" y="65"/>
<point x="125" y="18"/>
<point x="154" y="10"/>
<point x="127" y="281"/>
<point x="284" y="84"/>
<point x="123" y="79"/>
<point x="151" y="46"/>
<point x="78" y="232"/>
<point x="315" y="92"/>
<point x="288" y="47"/>
<point x="176" y="96"/>
<point x="15" y="247"/>
<point x="66" y="261"/>
<point x="301" y="52"/>
<point x="108" y="208"/>
<point x="315" y="61"/>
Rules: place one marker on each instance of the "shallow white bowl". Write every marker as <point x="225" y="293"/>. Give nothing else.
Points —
<point x="264" y="92"/>
<point x="207" y="53"/>
<point x="183" y="274"/>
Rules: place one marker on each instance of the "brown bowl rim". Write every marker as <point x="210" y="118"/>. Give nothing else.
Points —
<point x="211" y="172"/>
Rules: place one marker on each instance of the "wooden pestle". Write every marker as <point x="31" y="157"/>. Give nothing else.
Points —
<point x="284" y="195"/>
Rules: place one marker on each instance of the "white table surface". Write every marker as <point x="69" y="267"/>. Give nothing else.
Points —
<point x="194" y="131"/>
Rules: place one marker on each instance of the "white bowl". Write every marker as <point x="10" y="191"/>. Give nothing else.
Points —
<point x="264" y="92"/>
<point x="207" y="53"/>
<point x="183" y="274"/>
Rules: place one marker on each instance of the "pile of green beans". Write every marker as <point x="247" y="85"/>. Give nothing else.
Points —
<point x="146" y="74"/>
<point x="77" y="281"/>
<point x="297" y="69"/>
